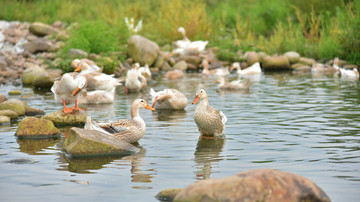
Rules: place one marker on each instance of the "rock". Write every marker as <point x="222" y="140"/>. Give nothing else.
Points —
<point x="29" y="111"/>
<point x="254" y="185"/>
<point x="142" y="50"/>
<point x="276" y="63"/>
<point x="4" y="120"/>
<point x="82" y="142"/>
<point x="167" y="194"/>
<point x="44" y="80"/>
<point x="261" y="56"/>
<point x="252" y="58"/>
<point x="31" y="127"/>
<point x="30" y="74"/>
<point x="15" y="105"/>
<point x="172" y="61"/>
<point x="39" y="45"/>
<point x="181" y="65"/>
<point x="165" y="66"/>
<point x="14" y="92"/>
<point x="59" y="118"/>
<point x="194" y="60"/>
<point x="9" y="113"/>
<point x="41" y="29"/>
<point x="3" y="98"/>
<point x="306" y="61"/>
<point x="77" y="53"/>
<point x="292" y="56"/>
<point x="299" y="67"/>
<point x="159" y="61"/>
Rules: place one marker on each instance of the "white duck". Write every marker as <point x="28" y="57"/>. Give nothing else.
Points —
<point x="233" y="85"/>
<point x="193" y="48"/>
<point x="210" y="121"/>
<point x="90" y="67"/>
<point x="183" y="43"/>
<point x="135" y="81"/>
<point x="67" y="89"/>
<point x="253" y="69"/>
<point x="222" y="71"/>
<point x="128" y="130"/>
<point x="168" y="99"/>
<point x="349" y="74"/>
<point x="98" y="97"/>
<point x="131" y="25"/>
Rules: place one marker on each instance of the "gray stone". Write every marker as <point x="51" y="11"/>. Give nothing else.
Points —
<point x="254" y="185"/>
<point x="39" y="45"/>
<point x="142" y="50"/>
<point x="293" y="56"/>
<point x="306" y="61"/>
<point x="30" y="74"/>
<point x="41" y="29"/>
<point x="31" y="127"/>
<point x="77" y="53"/>
<point x="252" y="58"/>
<point x="29" y="111"/>
<point x="44" y="80"/>
<point x="159" y="61"/>
<point x="82" y="142"/>
<point x="194" y="60"/>
<point x="181" y="65"/>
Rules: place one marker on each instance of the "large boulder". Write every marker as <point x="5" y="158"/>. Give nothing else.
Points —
<point x="45" y="80"/>
<point x="41" y="29"/>
<point x="254" y="185"/>
<point x="142" y="50"/>
<point x="275" y="63"/>
<point x="59" y="118"/>
<point x="252" y="58"/>
<point x="30" y="74"/>
<point x="14" y="105"/>
<point x="31" y="127"/>
<point x="82" y="142"/>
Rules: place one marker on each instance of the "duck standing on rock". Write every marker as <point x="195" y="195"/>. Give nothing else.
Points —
<point x="210" y="121"/>
<point x="168" y="99"/>
<point x="128" y="130"/>
<point x="67" y="89"/>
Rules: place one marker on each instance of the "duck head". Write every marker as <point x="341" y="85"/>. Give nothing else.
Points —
<point x="199" y="94"/>
<point x="80" y="86"/>
<point x="141" y="103"/>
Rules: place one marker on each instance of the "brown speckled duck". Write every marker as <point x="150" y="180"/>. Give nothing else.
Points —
<point x="210" y="121"/>
<point x="128" y="130"/>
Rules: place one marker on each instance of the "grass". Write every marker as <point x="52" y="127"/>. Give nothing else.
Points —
<point x="313" y="28"/>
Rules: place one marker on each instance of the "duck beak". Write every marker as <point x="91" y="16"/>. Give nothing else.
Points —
<point x="76" y="91"/>
<point x="154" y="102"/>
<point x="197" y="98"/>
<point x="77" y="69"/>
<point x="148" y="107"/>
<point x="232" y="68"/>
<point x="217" y="81"/>
<point x="147" y="74"/>
<point x="171" y="54"/>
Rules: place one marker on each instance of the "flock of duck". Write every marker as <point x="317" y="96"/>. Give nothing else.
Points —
<point x="89" y="85"/>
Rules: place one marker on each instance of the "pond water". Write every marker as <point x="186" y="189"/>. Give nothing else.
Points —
<point x="302" y="124"/>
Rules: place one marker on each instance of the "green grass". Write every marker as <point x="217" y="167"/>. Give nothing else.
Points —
<point x="313" y="28"/>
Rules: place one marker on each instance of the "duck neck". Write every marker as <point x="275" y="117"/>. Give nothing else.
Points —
<point x="134" y="112"/>
<point x="204" y="102"/>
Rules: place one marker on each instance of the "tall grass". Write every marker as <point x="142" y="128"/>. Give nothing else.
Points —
<point x="319" y="29"/>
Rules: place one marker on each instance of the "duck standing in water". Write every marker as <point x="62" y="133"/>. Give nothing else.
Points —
<point x="67" y="89"/>
<point x="128" y="130"/>
<point x="210" y="121"/>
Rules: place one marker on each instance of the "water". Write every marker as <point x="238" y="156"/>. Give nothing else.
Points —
<point x="296" y="123"/>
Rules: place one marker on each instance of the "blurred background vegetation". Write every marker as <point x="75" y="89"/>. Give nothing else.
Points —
<point x="314" y="28"/>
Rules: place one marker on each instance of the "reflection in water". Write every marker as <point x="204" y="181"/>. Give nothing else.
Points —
<point x="174" y="116"/>
<point x="36" y="146"/>
<point x="206" y="154"/>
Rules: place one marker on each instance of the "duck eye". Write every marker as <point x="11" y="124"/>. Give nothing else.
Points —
<point x="142" y="101"/>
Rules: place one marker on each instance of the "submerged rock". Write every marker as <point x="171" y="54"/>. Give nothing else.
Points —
<point x="82" y="142"/>
<point x="142" y="50"/>
<point x="254" y="185"/>
<point x="59" y="118"/>
<point x="14" y="105"/>
<point x="14" y="92"/>
<point x="29" y="111"/>
<point x="9" y="113"/>
<point x="31" y="127"/>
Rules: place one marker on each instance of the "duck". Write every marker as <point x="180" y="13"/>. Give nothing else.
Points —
<point x="253" y="69"/>
<point x="68" y="88"/>
<point x="168" y="99"/>
<point x="210" y="121"/>
<point x="319" y="68"/>
<point x="135" y="81"/>
<point x="131" y="25"/>
<point x="89" y="67"/>
<point x="222" y="71"/>
<point x="128" y="130"/>
<point x="98" y="97"/>
<point x="349" y="74"/>
<point x="183" y="43"/>
<point x="193" y="48"/>
<point x="233" y="85"/>
<point x="145" y="70"/>
<point x="174" y="74"/>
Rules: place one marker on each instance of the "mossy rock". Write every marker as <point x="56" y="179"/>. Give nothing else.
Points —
<point x="41" y="29"/>
<point x="29" y="111"/>
<point x="167" y="194"/>
<point x="252" y="58"/>
<point x="9" y="113"/>
<point x="30" y="74"/>
<point x="15" y="105"/>
<point x="59" y="118"/>
<point x="306" y="61"/>
<point x="4" y="120"/>
<point x="3" y="98"/>
<point x="293" y="56"/>
<point x="82" y="142"/>
<point x="44" y="80"/>
<point x="276" y="63"/>
<point x="14" y="92"/>
<point x="33" y="128"/>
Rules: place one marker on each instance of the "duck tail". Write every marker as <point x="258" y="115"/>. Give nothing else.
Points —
<point x="153" y="93"/>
